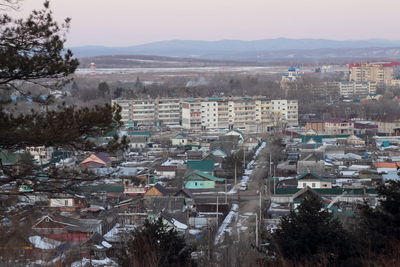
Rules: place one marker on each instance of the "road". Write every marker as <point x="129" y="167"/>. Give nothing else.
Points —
<point x="249" y="201"/>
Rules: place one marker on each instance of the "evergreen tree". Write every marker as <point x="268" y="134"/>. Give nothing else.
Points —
<point x="379" y="229"/>
<point x="154" y="244"/>
<point x="32" y="51"/>
<point x="311" y="233"/>
<point x="103" y="89"/>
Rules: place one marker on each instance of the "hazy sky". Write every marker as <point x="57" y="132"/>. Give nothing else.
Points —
<point x="130" y="22"/>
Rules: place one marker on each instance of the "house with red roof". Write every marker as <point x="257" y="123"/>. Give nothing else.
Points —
<point x="97" y="160"/>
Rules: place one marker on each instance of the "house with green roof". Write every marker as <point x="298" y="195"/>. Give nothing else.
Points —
<point x="313" y="180"/>
<point x="137" y="133"/>
<point x="180" y="139"/>
<point x="139" y="139"/>
<point x="8" y="158"/>
<point x="201" y="180"/>
<point x="206" y="166"/>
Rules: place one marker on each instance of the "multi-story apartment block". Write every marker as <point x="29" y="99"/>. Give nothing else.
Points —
<point x="168" y="111"/>
<point x="351" y="89"/>
<point x="381" y="73"/>
<point x="246" y="113"/>
<point x="150" y="111"/>
<point x="241" y="113"/>
<point x="357" y="89"/>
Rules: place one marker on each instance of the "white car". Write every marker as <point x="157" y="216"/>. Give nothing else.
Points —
<point x="243" y="187"/>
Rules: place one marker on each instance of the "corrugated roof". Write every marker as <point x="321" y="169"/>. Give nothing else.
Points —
<point x="387" y="165"/>
<point x="200" y="165"/>
<point x="202" y="175"/>
<point x="311" y="175"/>
<point x="328" y="191"/>
<point x="140" y="134"/>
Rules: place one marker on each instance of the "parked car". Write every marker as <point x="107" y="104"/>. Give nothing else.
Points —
<point x="243" y="187"/>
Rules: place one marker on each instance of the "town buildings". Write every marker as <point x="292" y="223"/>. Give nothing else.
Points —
<point x="245" y="113"/>
<point x="293" y="74"/>
<point x="381" y="73"/>
<point x="165" y="111"/>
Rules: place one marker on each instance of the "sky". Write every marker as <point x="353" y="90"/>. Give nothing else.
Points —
<point x="132" y="22"/>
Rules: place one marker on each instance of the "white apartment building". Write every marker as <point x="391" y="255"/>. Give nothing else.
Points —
<point x="357" y="89"/>
<point x="240" y="113"/>
<point x="191" y="114"/>
<point x="150" y="111"/>
<point x="245" y="113"/>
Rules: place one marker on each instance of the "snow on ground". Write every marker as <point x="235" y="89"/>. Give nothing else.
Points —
<point x="224" y="226"/>
<point x="262" y="146"/>
<point x="106" y="244"/>
<point x="194" y="231"/>
<point x="172" y="162"/>
<point x="43" y="242"/>
<point x="179" y="225"/>
<point x="107" y="262"/>
<point x="112" y="235"/>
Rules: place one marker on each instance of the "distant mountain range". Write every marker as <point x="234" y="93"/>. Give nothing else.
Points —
<point x="259" y="50"/>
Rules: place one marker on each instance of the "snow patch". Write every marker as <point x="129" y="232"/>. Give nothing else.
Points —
<point x="43" y="242"/>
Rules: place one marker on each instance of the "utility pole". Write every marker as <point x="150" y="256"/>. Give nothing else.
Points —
<point x="244" y="159"/>
<point x="217" y="211"/>
<point x="235" y="174"/>
<point x="270" y="173"/>
<point x="226" y="192"/>
<point x="260" y="207"/>
<point x="256" y="229"/>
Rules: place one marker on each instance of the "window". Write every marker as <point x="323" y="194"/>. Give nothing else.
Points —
<point x="66" y="202"/>
<point x="313" y="185"/>
<point x="304" y="185"/>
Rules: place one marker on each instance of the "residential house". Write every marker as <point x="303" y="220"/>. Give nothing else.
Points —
<point x="173" y="223"/>
<point x="132" y="190"/>
<point x="206" y="166"/>
<point x="166" y="171"/>
<point x="355" y="141"/>
<point x="389" y="125"/>
<point x="235" y="132"/>
<point x="156" y="190"/>
<point x="250" y="143"/>
<point x="339" y="126"/>
<point x="194" y="155"/>
<point x="180" y="140"/>
<point x="8" y="158"/>
<point x="311" y="163"/>
<point x="302" y="194"/>
<point x="40" y="154"/>
<point x="67" y="202"/>
<point x="189" y="197"/>
<point x="316" y="125"/>
<point x="139" y="139"/>
<point x="365" y="128"/>
<point x="201" y="180"/>
<point x="313" y="180"/>
<point x="96" y="161"/>
<point x="67" y="229"/>
<point x="218" y="152"/>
